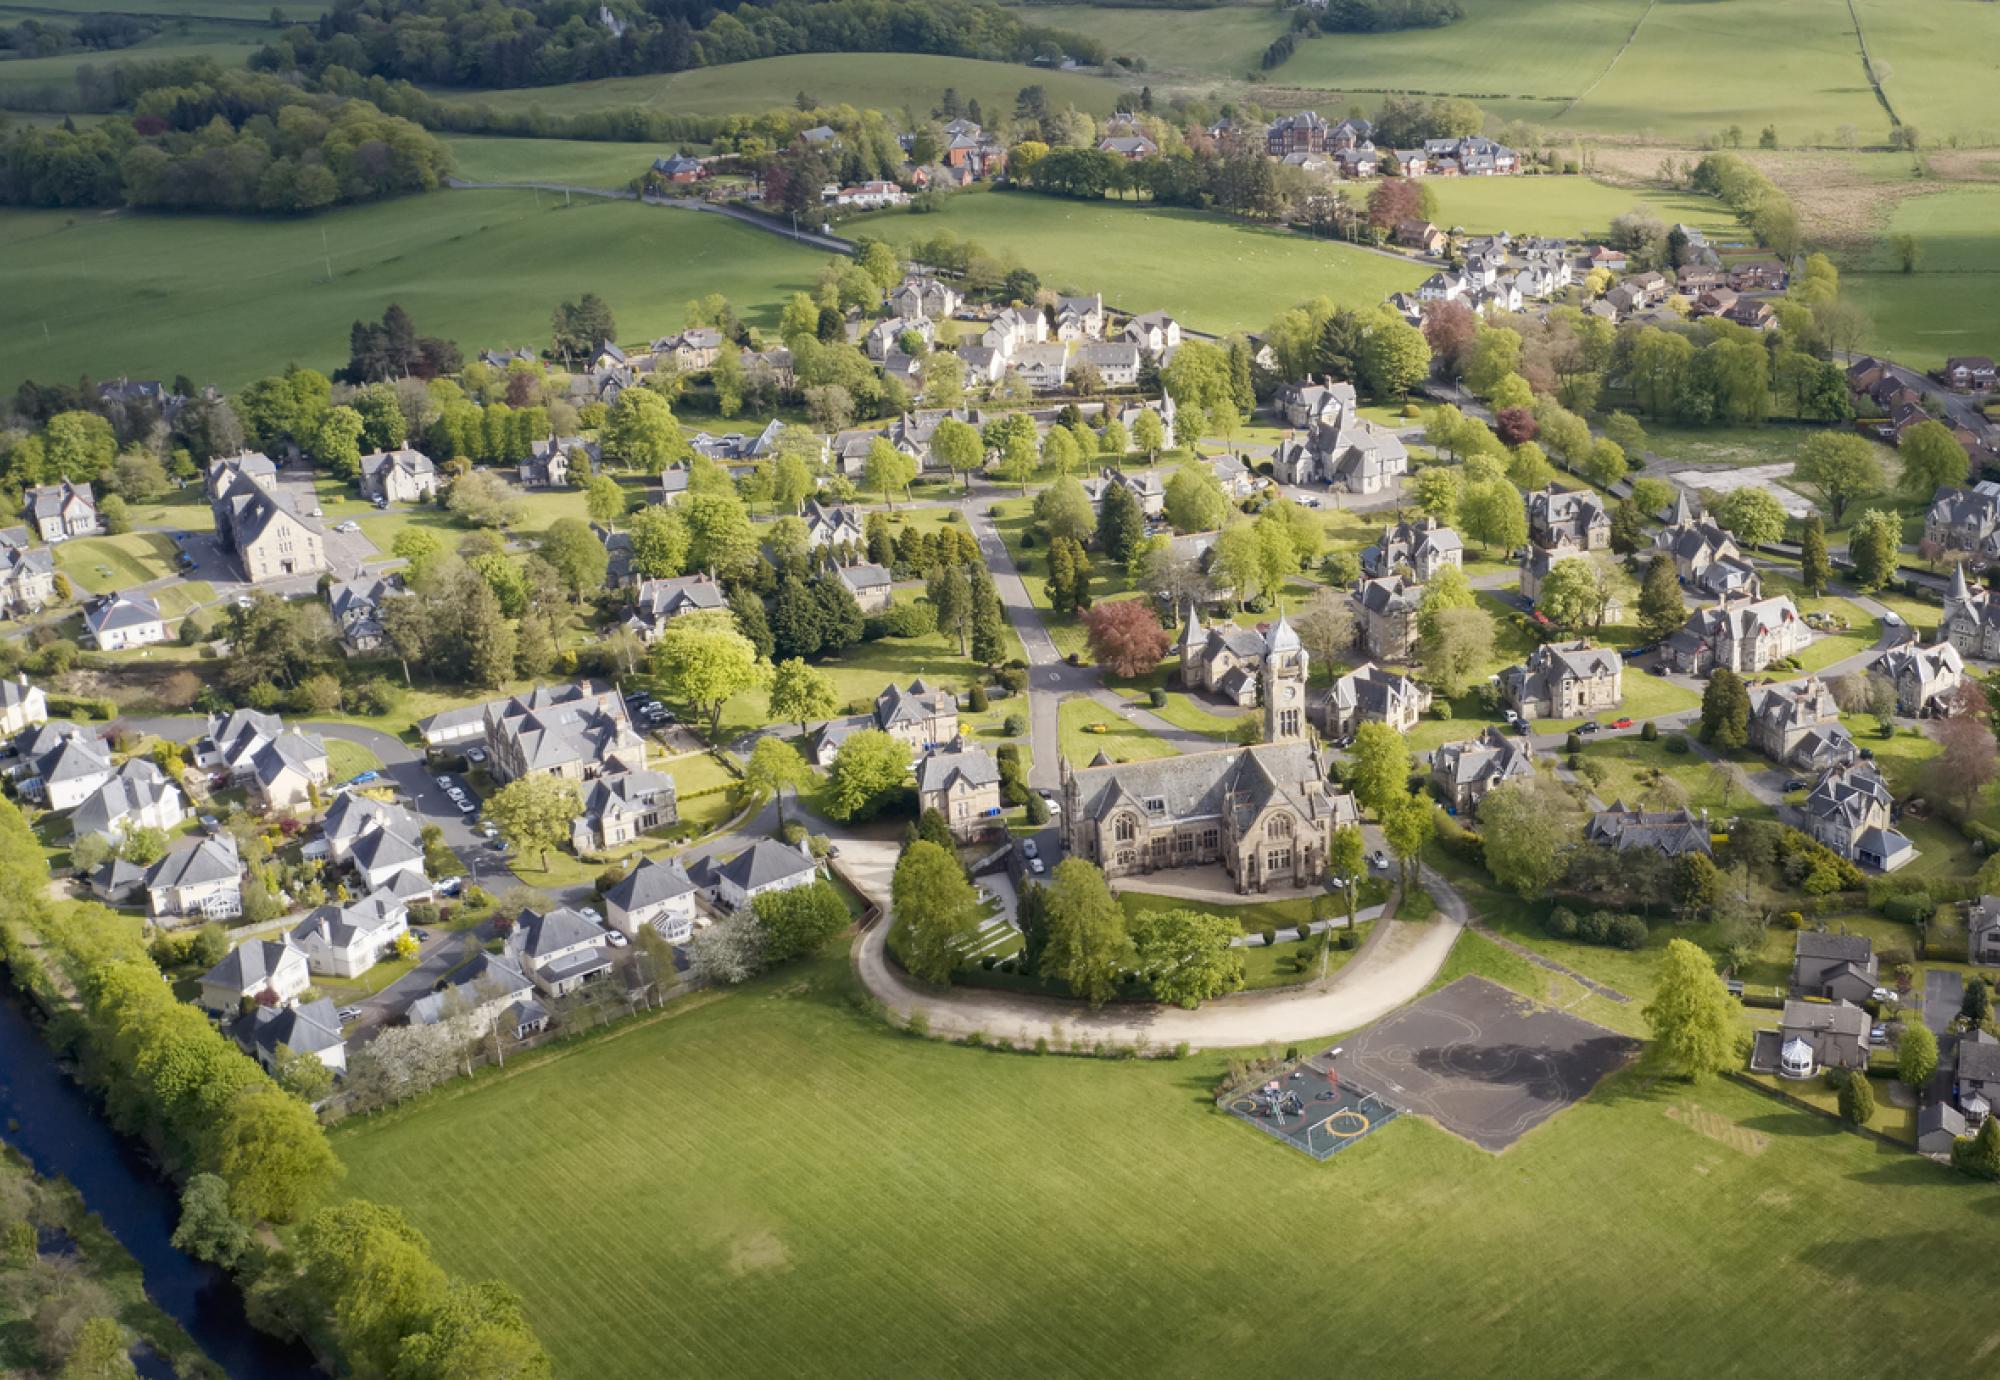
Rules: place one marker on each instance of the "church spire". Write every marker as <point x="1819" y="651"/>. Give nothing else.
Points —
<point x="1960" y="591"/>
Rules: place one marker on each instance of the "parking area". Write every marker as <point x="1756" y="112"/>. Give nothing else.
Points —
<point x="1944" y="995"/>
<point x="1482" y="1062"/>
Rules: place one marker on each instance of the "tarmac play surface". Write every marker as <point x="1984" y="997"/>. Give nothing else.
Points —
<point x="1481" y="1061"/>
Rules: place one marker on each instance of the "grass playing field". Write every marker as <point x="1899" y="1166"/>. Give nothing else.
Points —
<point x="825" y="1196"/>
<point x="886" y="81"/>
<point x="227" y="301"/>
<point x="1214" y="274"/>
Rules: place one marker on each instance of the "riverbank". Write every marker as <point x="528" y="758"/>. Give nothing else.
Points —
<point x="67" y="1284"/>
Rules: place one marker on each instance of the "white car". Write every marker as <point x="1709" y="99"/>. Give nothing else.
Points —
<point x="349" y="1013"/>
<point x="590" y="913"/>
<point x="1029" y="850"/>
<point x="467" y="806"/>
<point x="615" y="939"/>
<point x="350" y="527"/>
<point x="444" y="783"/>
<point x="1035" y="866"/>
<point x="487" y="831"/>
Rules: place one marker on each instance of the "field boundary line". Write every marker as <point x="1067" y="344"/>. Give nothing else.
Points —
<point x="1868" y="65"/>
<point x="1630" y="39"/>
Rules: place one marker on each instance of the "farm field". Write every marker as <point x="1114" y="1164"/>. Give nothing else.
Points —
<point x="1935" y="58"/>
<point x="1577" y="207"/>
<point x="1950" y="305"/>
<point x="1807" y="78"/>
<point x="229" y="44"/>
<point x="1500" y="49"/>
<point x="1214" y="274"/>
<point x="883" y="80"/>
<point x="227" y="301"/>
<point x="579" y="162"/>
<point x="1221" y="43"/>
<point x="1675" y="1202"/>
<point x="247" y="12"/>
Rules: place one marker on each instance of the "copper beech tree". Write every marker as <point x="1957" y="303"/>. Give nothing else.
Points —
<point x="1126" y="636"/>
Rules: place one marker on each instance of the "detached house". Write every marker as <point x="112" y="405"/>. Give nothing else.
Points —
<point x="1374" y="694"/>
<point x="1971" y="619"/>
<point x="1850" y="811"/>
<point x="1974" y="372"/>
<point x="558" y="950"/>
<point x="1573" y="518"/>
<point x="924" y="298"/>
<point x="578" y="731"/>
<point x="270" y="530"/>
<point x="1672" y="833"/>
<point x="963" y="785"/>
<point x="61" y="765"/>
<point x="1705" y="556"/>
<point x="398" y="476"/>
<point x="63" y="510"/>
<point x="307" y="1027"/>
<point x="1423" y="547"/>
<point x="1147" y="488"/>
<point x="356" y="606"/>
<point x="1463" y="772"/>
<point x="489" y="991"/>
<point x="346" y="941"/>
<point x="27" y="575"/>
<point x="1388" y="606"/>
<point x="1358" y="457"/>
<point x="1812" y="1036"/>
<point x="550" y="461"/>
<point x="619" y="806"/>
<point x="279" y="766"/>
<point x="1797" y="723"/>
<point x="919" y="716"/>
<point x="1925" y="677"/>
<point x="659" y="894"/>
<point x="1839" y="967"/>
<point x="827" y="525"/>
<point x="1744" y="635"/>
<point x="1079" y="318"/>
<point x="382" y="841"/>
<point x="1155" y="332"/>
<point x="22" y="706"/>
<point x="1564" y="680"/>
<point x="121" y="621"/>
<point x="1223" y="659"/>
<point x="764" y="866"/>
<point x="136" y="796"/>
<point x="1305" y="404"/>
<point x="873" y="586"/>
<point x="204" y="882"/>
<point x="1966" y="520"/>
<point x="1982" y="931"/>
<point x="251" y="970"/>
<point x="656" y="603"/>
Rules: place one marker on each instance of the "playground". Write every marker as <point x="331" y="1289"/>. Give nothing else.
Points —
<point x="1482" y="1062"/>
<point x="1311" y="1107"/>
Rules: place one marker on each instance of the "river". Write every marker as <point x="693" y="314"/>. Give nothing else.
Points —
<point x="56" y="1124"/>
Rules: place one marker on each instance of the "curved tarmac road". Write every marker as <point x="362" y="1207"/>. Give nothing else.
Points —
<point x="1398" y="962"/>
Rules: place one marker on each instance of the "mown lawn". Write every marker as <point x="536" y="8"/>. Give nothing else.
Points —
<point x="103" y="565"/>
<point x="1630" y="762"/>
<point x="345" y="760"/>
<point x="826" y="1165"/>
<point x="1119" y="738"/>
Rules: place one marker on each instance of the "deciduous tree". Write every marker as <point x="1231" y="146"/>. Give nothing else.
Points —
<point x="1379" y="769"/>
<point x="1186" y="955"/>
<point x="1458" y="646"/>
<point x="1126" y="637"/>
<point x="1691" y="1014"/>
<point x="936" y="912"/>
<point x="1526" y="825"/>
<point x="1839" y="467"/>
<point x="1932" y="459"/>
<point x="1088" y="946"/>
<point x="702" y="659"/>
<point x="869" y="768"/>
<point x="533" y="813"/>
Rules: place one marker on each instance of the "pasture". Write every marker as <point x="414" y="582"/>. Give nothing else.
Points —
<point x="226" y="301"/>
<point x="830" y="1197"/>
<point x="228" y="43"/>
<point x="1214" y="273"/>
<point x="1935" y="60"/>
<point x="1950" y="305"/>
<point x="890" y="81"/>
<point x="577" y="162"/>
<point x="1576" y="207"/>
<point x="1223" y="43"/>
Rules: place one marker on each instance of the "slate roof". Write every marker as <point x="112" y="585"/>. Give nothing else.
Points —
<point x="1374" y="691"/>
<point x="250" y="965"/>
<point x="354" y="815"/>
<point x="136" y="786"/>
<point x="1389" y="594"/>
<point x="1672" y="832"/>
<point x="307" y="1028"/>
<point x="120" y="612"/>
<point x="1491" y="758"/>
<point x="1233" y="783"/>
<point x="1410" y="543"/>
<point x="765" y="863"/>
<point x="918" y="704"/>
<point x="212" y="860"/>
<point x="864" y="576"/>
<point x="970" y="766"/>
<point x="651" y="883"/>
<point x="487" y="977"/>
<point x="659" y="600"/>
<point x="1833" y="948"/>
<point x="1979" y="1057"/>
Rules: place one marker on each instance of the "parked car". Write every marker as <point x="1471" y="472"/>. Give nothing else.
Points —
<point x="1029" y="850"/>
<point x="1380" y="861"/>
<point x="1035" y="866"/>
<point x="350" y="527"/>
<point x="1590" y="727"/>
<point x="1795" y="784"/>
<point x="488" y="831"/>
<point x="475" y="755"/>
<point x="349" y="1013"/>
<point x="419" y="935"/>
<point x="615" y="939"/>
<point x="451" y="886"/>
<point x="1621" y="723"/>
<point x="364" y="778"/>
<point x="467" y="805"/>
<point x="444" y="782"/>
<point x="590" y="913"/>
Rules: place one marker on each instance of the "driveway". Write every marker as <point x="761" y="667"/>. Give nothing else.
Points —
<point x="1944" y="990"/>
<point x="446" y="951"/>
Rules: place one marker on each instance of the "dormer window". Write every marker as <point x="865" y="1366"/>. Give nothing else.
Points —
<point x="1156" y="806"/>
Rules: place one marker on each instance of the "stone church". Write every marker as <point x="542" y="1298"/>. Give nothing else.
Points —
<point x="1265" y="813"/>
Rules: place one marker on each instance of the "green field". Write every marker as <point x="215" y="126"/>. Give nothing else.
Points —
<point x="1935" y="59"/>
<point x="883" y="1205"/>
<point x="578" y="162"/>
<point x="227" y="301"/>
<point x="1951" y="304"/>
<point x="228" y="43"/>
<point x="1215" y="274"/>
<point x="1121" y="741"/>
<point x="1222" y="43"/>
<point x="886" y="81"/>
<point x="104" y="564"/>
<point x="1577" y="207"/>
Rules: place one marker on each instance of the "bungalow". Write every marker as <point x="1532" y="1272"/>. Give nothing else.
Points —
<point x="871" y="196"/>
<point x="659" y="894"/>
<point x="311" y="1027"/>
<point x="398" y="476"/>
<point x="656" y="603"/>
<point x="1839" y="967"/>
<point x="136" y="796"/>
<point x="1463" y="772"/>
<point x="1564" y="680"/>
<point x="121" y="621"/>
<point x="1423" y="547"/>
<point x="251" y="970"/>
<point x="1925" y="677"/>
<point x="1374" y="694"/>
<point x="203" y="882"/>
<point x="1850" y="811"/>
<point x="871" y="585"/>
<point x="559" y="950"/>
<point x="63" y="510"/>
<point x="619" y="806"/>
<point x="1797" y="723"/>
<point x="345" y="941"/>
<point x="1812" y="1036"/>
<point x="1669" y="832"/>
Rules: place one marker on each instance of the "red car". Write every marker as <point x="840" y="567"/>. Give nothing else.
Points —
<point x="1622" y="723"/>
